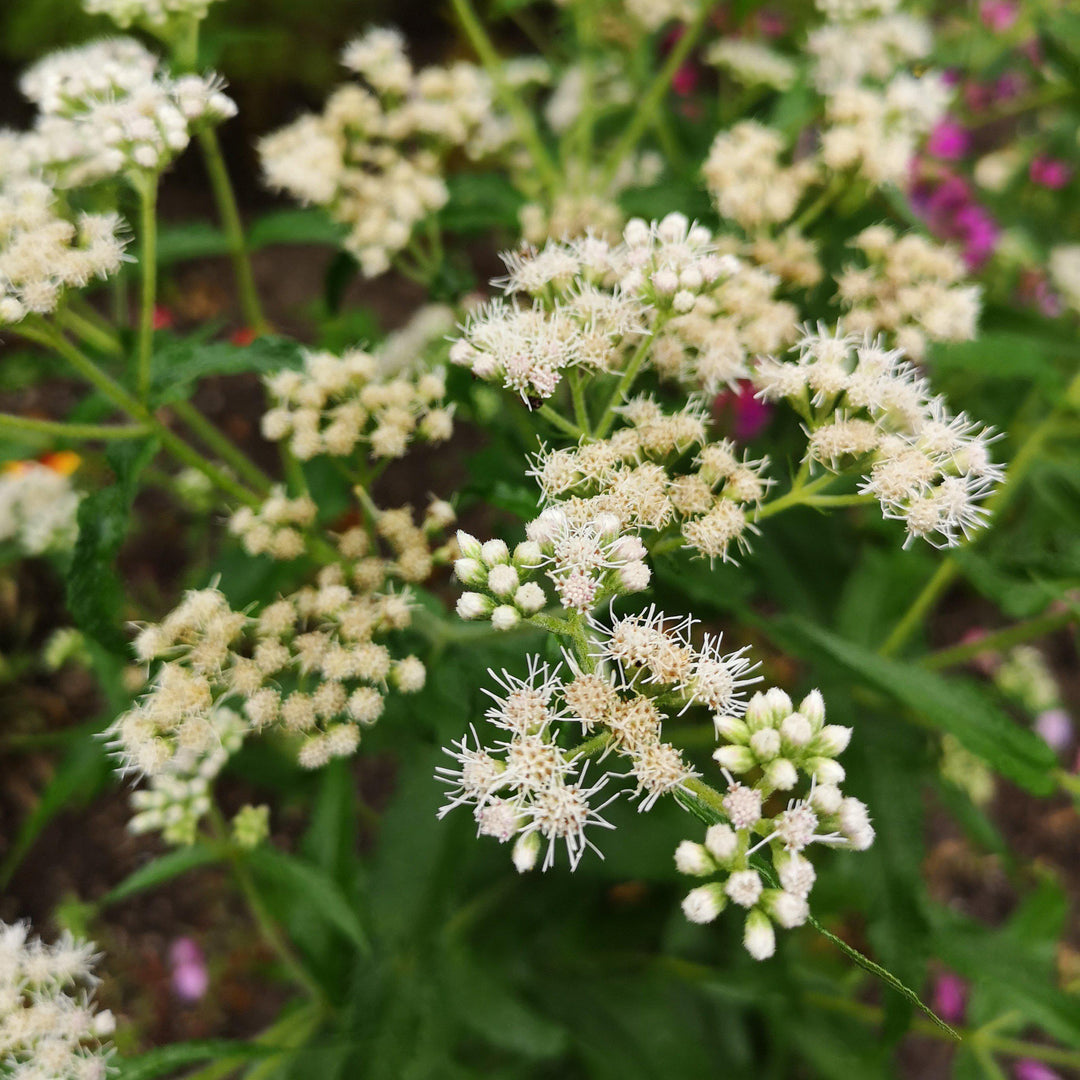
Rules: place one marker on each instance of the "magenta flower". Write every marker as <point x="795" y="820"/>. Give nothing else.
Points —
<point x="951" y="213"/>
<point x="1049" y="172"/>
<point x="190" y="978"/>
<point x="747" y="416"/>
<point x="948" y="140"/>
<point x="685" y="80"/>
<point x="997" y="15"/>
<point x="950" y="997"/>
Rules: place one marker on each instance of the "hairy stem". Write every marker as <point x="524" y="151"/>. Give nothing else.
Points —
<point x="147" y="191"/>
<point x="61" y="429"/>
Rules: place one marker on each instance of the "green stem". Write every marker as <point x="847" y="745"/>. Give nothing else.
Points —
<point x="47" y="335"/>
<point x="564" y="425"/>
<point x="650" y="103"/>
<point x="146" y="189"/>
<point x="820" y="204"/>
<point x="633" y="369"/>
<point x="224" y="447"/>
<point x="826" y="501"/>
<point x="229" y="214"/>
<point x="494" y="66"/>
<point x="798" y="495"/>
<point x="581" y="412"/>
<point x="949" y="569"/>
<point x="1000" y="640"/>
<point x="60" y="429"/>
<point x="92" y="334"/>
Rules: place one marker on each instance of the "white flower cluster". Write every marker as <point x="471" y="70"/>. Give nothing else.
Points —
<point x="1064" y="268"/>
<point x="752" y="64"/>
<point x="309" y="664"/>
<point x="155" y="14"/>
<point x="1026" y="676"/>
<point x="38" y="508"/>
<point x="912" y="288"/>
<point x="585" y="562"/>
<point x="852" y="47"/>
<point x="179" y="797"/>
<point x="373" y="157"/>
<point x="529" y="786"/>
<point x="50" y="1028"/>
<point x="107" y="108"/>
<point x="336" y="403"/>
<point x="276" y="528"/>
<point x="652" y="14"/>
<point x="867" y="407"/>
<point x="593" y="301"/>
<point x="747" y="179"/>
<point x="643" y="481"/>
<point x="45" y="250"/>
<point x="773" y="742"/>
<point x="877" y="131"/>
<point x="406" y="349"/>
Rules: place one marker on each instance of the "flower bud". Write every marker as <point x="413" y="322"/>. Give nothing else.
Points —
<point x="703" y="904"/>
<point x="528" y="554"/>
<point x="825" y="770"/>
<point x="635" y="576"/>
<point x="758" y="935"/>
<point x="732" y="729"/>
<point x="765" y="744"/>
<point x="473" y="605"/>
<point x="469" y="545"/>
<point x="781" y="774"/>
<point x="813" y="708"/>
<point x="758" y="714"/>
<point x="786" y="908"/>
<point x="826" y="798"/>
<point x="832" y="740"/>
<point x="505" y="617"/>
<point x="469" y="571"/>
<point x="494" y="551"/>
<point x="526" y="851"/>
<point x="736" y="759"/>
<point x="636" y="232"/>
<point x="530" y="598"/>
<point x="722" y="842"/>
<point x="502" y="579"/>
<point x="796" y="731"/>
<point x="779" y="705"/>
<point x="693" y="859"/>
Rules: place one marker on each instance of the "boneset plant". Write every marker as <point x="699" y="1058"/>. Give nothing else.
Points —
<point x="607" y="641"/>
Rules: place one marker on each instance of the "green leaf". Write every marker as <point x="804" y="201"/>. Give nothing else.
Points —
<point x="95" y="595"/>
<point x="190" y="240"/>
<point x="304" y="226"/>
<point x="312" y="887"/>
<point x="479" y="202"/>
<point x="166" y="1060"/>
<point x="162" y="869"/>
<point x="179" y="366"/>
<point x="952" y="704"/>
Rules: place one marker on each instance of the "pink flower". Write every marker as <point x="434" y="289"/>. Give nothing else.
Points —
<point x="997" y="14"/>
<point x="190" y="978"/>
<point x="1027" y="1069"/>
<point x="163" y="317"/>
<point x="685" y="80"/>
<point x="1055" y="727"/>
<point x="948" y="140"/>
<point x="950" y="997"/>
<point x="772" y="23"/>
<point x="746" y="416"/>
<point x="1049" y="172"/>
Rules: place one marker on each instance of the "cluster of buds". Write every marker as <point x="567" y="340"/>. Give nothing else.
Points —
<point x="311" y="665"/>
<point x="665" y="288"/>
<point x="179" y="797"/>
<point x="49" y="1025"/>
<point x="373" y="158"/>
<point x="337" y="403"/>
<point x="44" y="249"/>
<point x="155" y="15"/>
<point x="276" y="527"/>
<point x="107" y="109"/>
<point x="640" y="478"/>
<point x="867" y="408"/>
<point x="584" y="562"/>
<point x="911" y="288"/>
<point x="768" y="748"/>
